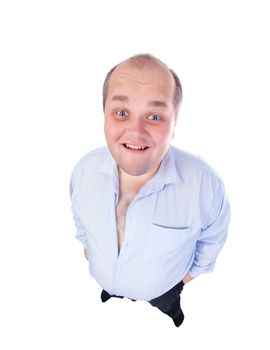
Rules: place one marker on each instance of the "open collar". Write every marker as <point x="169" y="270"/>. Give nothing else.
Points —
<point x="166" y="174"/>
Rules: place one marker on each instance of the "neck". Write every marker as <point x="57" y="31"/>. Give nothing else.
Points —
<point x="129" y="184"/>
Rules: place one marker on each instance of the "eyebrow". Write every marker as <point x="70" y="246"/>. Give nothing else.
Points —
<point x="154" y="103"/>
<point x="157" y="104"/>
<point x="120" y="98"/>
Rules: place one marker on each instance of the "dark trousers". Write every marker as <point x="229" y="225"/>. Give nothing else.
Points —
<point x="168" y="303"/>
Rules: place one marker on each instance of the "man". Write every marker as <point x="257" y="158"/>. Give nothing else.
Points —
<point x="151" y="217"/>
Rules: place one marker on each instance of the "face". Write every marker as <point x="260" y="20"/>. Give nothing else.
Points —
<point x="139" y="117"/>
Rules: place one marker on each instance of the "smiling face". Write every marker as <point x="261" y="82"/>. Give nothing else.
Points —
<point x="139" y="117"/>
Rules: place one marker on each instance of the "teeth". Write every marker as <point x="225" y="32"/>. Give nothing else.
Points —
<point x="134" y="147"/>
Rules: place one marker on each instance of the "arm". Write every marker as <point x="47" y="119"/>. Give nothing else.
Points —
<point x="213" y="235"/>
<point x="80" y="229"/>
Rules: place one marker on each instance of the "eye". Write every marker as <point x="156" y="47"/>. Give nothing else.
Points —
<point x="121" y="113"/>
<point x="154" y="117"/>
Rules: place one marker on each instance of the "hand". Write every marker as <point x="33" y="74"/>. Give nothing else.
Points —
<point x="187" y="279"/>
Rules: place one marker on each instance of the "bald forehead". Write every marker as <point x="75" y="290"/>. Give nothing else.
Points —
<point x="141" y="62"/>
<point x="143" y="69"/>
<point x="151" y="84"/>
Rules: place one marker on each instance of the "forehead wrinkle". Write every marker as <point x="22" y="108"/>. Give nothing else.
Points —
<point x="154" y="103"/>
<point x="129" y="70"/>
<point x="124" y="77"/>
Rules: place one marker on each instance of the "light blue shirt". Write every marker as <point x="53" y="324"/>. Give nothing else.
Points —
<point x="176" y="225"/>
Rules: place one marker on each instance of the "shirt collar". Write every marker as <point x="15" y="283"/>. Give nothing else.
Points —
<point x="166" y="174"/>
<point x="109" y="168"/>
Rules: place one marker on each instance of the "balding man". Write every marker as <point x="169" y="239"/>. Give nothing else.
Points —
<point x="151" y="217"/>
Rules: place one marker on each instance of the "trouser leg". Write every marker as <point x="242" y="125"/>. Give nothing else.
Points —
<point x="169" y="304"/>
<point x="106" y="296"/>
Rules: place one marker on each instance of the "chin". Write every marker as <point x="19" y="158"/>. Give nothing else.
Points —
<point x="133" y="171"/>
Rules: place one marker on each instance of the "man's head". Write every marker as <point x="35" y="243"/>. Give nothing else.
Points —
<point x="141" y="102"/>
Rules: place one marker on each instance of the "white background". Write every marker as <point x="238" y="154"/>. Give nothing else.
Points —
<point x="54" y="57"/>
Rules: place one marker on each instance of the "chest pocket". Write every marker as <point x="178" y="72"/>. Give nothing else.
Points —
<point x="163" y="240"/>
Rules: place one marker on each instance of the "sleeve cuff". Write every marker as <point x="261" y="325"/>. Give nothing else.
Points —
<point x="195" y="271"/>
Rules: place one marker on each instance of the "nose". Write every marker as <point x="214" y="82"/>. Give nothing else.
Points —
<point x="137" y="126"/>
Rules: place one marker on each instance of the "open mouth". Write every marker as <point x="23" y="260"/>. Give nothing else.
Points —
<point x="135" y="147"/>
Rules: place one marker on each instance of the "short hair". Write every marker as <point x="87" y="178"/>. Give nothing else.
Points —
<point x="141" y="60"/>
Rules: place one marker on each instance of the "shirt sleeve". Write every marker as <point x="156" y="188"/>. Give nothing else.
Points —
<point x="80" y="229"/>
<point x="213" y="236"/>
